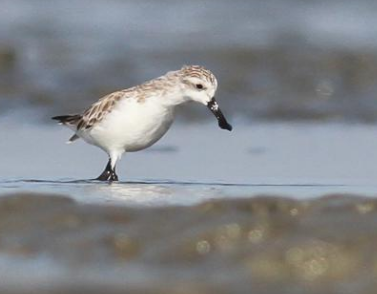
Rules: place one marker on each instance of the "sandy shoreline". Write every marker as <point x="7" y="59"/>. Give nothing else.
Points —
<point x="54" y="244"/>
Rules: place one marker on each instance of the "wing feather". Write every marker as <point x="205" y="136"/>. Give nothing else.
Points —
<point x="99" y="110"/>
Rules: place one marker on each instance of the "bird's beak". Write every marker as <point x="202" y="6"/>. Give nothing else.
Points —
<point x="215" y="109"/>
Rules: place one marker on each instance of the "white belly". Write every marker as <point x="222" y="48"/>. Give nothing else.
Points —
<point x="131" y="126"/>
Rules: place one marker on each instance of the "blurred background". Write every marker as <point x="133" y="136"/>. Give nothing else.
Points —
<point x="275" y="59"/>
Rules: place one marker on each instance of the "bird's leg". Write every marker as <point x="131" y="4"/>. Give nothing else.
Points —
<point x="113" y="175"/>
<point x="114" y="157"/>
<point x="108" y="173"/>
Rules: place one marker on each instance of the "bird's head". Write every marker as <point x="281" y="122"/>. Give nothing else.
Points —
<point x="199" y="84"/>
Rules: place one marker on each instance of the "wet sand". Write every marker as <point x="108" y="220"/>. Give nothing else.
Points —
<point x="53" y="244"/>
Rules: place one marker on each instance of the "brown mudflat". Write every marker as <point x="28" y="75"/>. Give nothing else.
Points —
<point x="264" y="244"/>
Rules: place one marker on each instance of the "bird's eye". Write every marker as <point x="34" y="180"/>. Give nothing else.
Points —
<point x="199" y="86"/>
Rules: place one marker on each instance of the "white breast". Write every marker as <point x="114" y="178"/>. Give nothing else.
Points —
<point x="131" y="126"/>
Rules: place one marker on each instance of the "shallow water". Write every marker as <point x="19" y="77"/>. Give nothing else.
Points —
<point x="192" y="214"/>
<point x="188" y="166"/>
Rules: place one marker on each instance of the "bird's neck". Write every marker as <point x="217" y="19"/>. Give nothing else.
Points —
<point x="174" y="98"/>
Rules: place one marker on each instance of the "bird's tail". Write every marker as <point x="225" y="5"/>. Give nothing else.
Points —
<point x="67" y="119"/>
<point x="70" y="121"/>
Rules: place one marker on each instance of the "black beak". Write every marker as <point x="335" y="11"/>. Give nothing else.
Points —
<point x="215" y="109"/>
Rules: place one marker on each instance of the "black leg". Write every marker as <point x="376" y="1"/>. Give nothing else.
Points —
<point x="108" y="174"/>
<point x="113" y="177"/>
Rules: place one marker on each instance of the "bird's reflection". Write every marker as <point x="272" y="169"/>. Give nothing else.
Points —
<point x="137" y="193"/>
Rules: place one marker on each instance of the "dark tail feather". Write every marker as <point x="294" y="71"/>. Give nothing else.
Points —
<point x="68" y="119"/>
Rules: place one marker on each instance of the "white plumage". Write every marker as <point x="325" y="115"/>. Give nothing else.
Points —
<point x="135" y="118"/>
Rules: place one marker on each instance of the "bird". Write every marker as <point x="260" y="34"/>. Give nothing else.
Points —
<point x="135" y="118"/>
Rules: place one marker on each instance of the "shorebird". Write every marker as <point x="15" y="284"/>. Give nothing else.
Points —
<point x="135" y="118"/>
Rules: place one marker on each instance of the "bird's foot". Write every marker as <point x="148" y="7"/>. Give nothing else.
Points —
<point x="108" y="176"/>
<point x="113" y="177"/>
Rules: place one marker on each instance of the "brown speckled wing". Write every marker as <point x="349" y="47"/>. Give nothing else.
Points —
<point x="99" y="110"/>
<point x="105" y="105"/>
